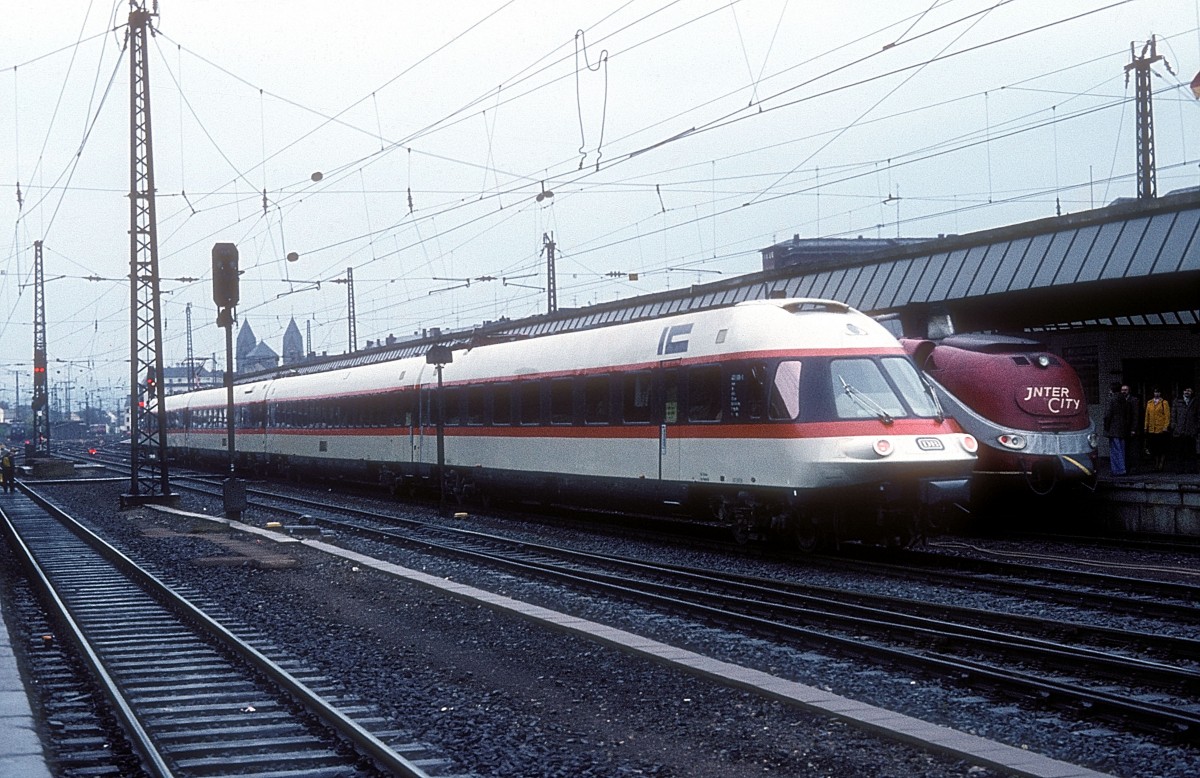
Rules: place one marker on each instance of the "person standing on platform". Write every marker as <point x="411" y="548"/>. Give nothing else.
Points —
<point x="9" y="469"/>
<point x="1185" y="423"/>
<point x="1118" y="426"/>
<point x="1157" y="425"/>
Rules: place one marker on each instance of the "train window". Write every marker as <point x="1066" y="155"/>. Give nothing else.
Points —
<point x="502" y="404"/>
<point x="453" y="400"/>
<point x="375" y="411"/>
<point x="596" y="400"/>
<point x="561" y="395"/>
<point x="704" y="393"/>
<point x="861" y="392"/>
<point x="747" y="388"/>
<point x="635" y="396"/>
<point x="424" y="411"/>
<point x="670" y="396"/>
<point x="476" y="399"/>
<point x="785" y="391"/>
<point x="529" y="402"/>
<point x="912" y="388"/>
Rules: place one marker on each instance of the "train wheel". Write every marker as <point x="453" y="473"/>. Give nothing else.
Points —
<point x="738" y="521"/>
<point x="903" y="539"/>
<point x="806" y="535"/>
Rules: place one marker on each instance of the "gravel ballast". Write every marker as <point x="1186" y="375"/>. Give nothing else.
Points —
<point x="505" y="697"/>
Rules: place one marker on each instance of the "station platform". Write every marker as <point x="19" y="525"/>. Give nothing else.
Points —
<point x="1146" y="501"/>
<point x="20" y="747"/>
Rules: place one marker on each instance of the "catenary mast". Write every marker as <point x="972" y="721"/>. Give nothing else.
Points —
<point x="149" y="481"/>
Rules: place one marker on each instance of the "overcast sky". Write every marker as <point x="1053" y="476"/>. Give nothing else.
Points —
<point x="411" y="143"/>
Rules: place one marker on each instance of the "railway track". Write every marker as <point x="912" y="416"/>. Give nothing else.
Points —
<point x="975" y="647"/>
<point x="1119" y="594"/>
<point x="192" y="698"/>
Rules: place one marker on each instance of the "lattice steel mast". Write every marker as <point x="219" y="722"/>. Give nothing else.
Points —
<point x="149" y="479"/>
<point x="191" y="357"/>
<point x="551" y="282"/>
<point x="1146" y="176"/>
<point x="352" y="330"/>
<point x="40" y="434"/>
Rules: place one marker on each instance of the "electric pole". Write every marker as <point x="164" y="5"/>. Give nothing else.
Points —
<point x="352" y="329"/>
<point x="551" y="287"/>
<point x="1147" y="185"/>
<point x="40" y="434"/>
<point x="351" y="325"/>
<point x="148" y="480"/>
<point x="191" y="359"/>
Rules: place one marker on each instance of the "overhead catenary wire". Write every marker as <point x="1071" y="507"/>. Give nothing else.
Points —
<point x="372" y="236"/>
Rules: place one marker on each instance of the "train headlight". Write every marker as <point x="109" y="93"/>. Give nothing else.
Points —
<point x="1043" y="360"/>
<point x="1015" y="442"/>
<point x="883" y="447"/>
<point x="969" y="444"/>
<point x="1093" y="441"/>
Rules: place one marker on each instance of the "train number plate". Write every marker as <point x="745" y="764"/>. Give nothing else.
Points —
<point x="929" y="444"/>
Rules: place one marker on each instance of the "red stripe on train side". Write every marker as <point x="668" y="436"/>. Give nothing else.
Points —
<point x="825" y="429"/>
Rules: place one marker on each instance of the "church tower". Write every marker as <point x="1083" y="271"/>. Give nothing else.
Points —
<point x="293" y="344"/>
<point x="246" y="341"/>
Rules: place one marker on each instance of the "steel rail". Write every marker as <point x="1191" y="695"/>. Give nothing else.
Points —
<point x="367" y="744"/>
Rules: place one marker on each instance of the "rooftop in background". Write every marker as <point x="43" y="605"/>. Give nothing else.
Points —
<point x="825" y="253"/>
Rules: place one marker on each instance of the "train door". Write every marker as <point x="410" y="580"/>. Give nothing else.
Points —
<point x="670" y="444"/>
<point x="423" y="436"/>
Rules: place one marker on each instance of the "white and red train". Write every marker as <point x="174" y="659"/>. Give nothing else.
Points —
<point x="796" y="418"/>
<point x="1024" y="405"/>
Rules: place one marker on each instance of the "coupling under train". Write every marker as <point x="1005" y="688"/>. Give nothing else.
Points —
<point x="802" y="420"/>
<point x="1025" y="406"/>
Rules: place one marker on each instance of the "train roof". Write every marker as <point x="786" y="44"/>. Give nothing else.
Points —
<point x="752" y="327"/>
<point x="990" y="343"/>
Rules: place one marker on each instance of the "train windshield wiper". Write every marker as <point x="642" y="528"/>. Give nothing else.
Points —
<point x="866" y="402"/>
<point x="940" y="414"/>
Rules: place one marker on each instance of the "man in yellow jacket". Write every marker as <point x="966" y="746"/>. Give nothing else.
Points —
<point x="1157" y="424"/>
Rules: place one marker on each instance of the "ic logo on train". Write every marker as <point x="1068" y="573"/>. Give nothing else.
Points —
<point x="1055" y="399"/>
<point x="673" y="340"/>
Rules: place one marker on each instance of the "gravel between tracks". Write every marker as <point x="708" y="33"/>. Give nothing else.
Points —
<point x="506" y="698"/>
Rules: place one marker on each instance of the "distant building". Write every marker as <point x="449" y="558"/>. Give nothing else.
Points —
<point x="179" y="378"/>
<point x="824" y="253"/>
<point x="254" y="355"/>
<point x="262" y="357"/>
<point x="293" y="344"/>
<point x="246" y="341"/>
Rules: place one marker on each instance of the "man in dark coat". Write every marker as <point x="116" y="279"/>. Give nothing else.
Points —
<point x="1185" y="423"/>
<point x="1119" y="417"/>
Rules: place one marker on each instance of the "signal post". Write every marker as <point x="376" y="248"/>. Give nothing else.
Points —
<point x="225" y="295"/>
